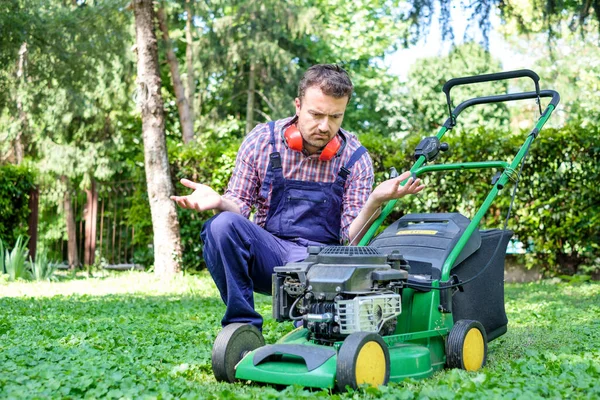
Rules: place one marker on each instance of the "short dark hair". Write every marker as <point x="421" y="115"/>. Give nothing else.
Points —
<point x="332" y="79"/>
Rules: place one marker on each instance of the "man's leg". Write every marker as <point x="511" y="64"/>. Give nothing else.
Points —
<point x="241" y="256"/>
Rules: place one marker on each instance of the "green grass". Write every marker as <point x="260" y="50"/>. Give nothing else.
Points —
<point x="132" y="336"/>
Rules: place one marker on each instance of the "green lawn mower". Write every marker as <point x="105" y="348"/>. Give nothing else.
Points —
<point x="426" y="293"/>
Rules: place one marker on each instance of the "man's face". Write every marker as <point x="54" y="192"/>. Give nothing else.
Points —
<point x="319" y="118"/>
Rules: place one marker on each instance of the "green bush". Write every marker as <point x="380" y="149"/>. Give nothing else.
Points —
<point x="42" y="269"/>
<point x="14" y="262"/>
<point x="16" y="183"/>
<point x="562" y="199"/>
<point x="210" y="162"/>
<point x="140" y="219"/>
<point x="557" y="206"/>
<point x="555" y="214"/>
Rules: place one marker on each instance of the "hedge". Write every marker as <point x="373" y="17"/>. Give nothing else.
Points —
<point x="16" y="184"/>
<point x="556" y="213"/>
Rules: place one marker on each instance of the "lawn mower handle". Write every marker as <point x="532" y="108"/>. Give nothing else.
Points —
<point x="522" y="73"/>
<point x="500" y="99"/>
<point x="467" y="80"/>
<point x="449" y="124"/>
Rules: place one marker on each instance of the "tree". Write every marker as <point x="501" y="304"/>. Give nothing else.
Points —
<point x="185" y="116"/>
<point x="189" y="59"/>
<point x="66" y="86"/>
<point x="548" y="15"/>
<point x="167" y="243"/>
<point x="427" y="102"/>
<point x="571" y="67"/>
<point x="532" y="16"/>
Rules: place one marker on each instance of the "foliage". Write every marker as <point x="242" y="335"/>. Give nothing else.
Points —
<point x="548" y="16"/>
<point x="140" y="219"/>
<point x="518" y="17"/>
<point x="60" y="53"/>
<point x="133" y="336"/>
<point x="75" y="95"/>
<point x="14" y="263"/>
<point x="198" y="163"/>
<point x="557" y="200"/>
<point x="42" y="269"/>
<point x="209" y="160"/>
<point x="282" y="41"/>
<point x="78" y="96"/>
<point x="16" y="184"/>
<point x="556" y="211"/>
<point x="562" y="198"/>
<point x="426" y="101"/>
<point x="572" y="68"/>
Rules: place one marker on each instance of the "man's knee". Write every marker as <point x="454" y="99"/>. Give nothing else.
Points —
<point x="221" y="226"/>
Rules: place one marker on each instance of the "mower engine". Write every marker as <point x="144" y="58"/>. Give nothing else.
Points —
<point x="339" y="290"/>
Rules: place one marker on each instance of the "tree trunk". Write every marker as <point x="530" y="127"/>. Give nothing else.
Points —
<point x="72" y="255"/>
<point x="189" y="59"/>
<point x="91" y="217"/>
<point x="34" y="201"/>
<point x="185" y="119"/>
<point x="21" y="79"/>
<point x="167" y="242"/>
<point x="250" y="103"/>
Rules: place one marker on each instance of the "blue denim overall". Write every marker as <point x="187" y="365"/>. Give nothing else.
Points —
<point x="241" y="255"/>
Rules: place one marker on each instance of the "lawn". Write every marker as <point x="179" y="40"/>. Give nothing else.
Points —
<point x="129" y="335"/>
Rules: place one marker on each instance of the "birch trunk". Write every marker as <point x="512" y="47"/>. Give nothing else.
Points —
<point x="91" y="218"/>
<point x="21" y="79"/>
<point x="167" y="242"/>
<point x="189" y="59"/>
<point x="72" y="255"/>
<point x="185" y="119"/>
<point x="250" y="102"/>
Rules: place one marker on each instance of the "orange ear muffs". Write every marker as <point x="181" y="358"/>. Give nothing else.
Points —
<point x="293" y="139"/>
<point x="331" y="150"/>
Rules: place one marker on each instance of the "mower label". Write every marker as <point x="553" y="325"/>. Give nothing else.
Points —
<point x="417" y="232"/>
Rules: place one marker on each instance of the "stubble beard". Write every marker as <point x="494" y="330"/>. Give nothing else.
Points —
<point x="316" y="143"/>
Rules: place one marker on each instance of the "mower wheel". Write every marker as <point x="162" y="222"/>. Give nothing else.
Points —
<point x="363" y="358"/>
<point x="231" y="345"/>
<point x="466" y="345"/>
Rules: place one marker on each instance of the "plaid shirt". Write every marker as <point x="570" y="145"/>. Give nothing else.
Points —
<point x="253" y="159"/>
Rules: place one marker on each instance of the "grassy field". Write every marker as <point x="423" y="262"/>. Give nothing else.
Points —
<point x="132" y="336"/>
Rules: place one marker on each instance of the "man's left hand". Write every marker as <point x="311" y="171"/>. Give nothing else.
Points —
<point x="391" y="189"/>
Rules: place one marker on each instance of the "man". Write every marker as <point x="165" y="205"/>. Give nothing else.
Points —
<point x="310" y="183"/>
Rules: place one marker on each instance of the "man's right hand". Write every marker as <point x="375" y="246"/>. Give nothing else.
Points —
<point x="203" y="197"/>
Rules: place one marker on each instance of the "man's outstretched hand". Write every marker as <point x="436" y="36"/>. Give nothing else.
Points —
<point x="391" y="189"/>
<point x="203" y="197"/>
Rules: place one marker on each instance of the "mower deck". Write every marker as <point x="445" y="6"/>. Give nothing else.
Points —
<point x="315" y="366"/>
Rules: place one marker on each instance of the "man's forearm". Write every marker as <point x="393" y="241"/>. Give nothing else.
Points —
<point x="228" y="205"/>
<point x="363" y="221"/>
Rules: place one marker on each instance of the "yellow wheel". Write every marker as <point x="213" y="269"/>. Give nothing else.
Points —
<point x="466" y="345"/>
<point x="363" y="358"/>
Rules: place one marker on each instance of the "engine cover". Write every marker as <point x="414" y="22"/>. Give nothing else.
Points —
<point x="339" y="290"/>
<point x="345" y="269"/>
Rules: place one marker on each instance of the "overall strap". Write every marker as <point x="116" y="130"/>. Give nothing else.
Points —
<point x="345" y="170"/>
<point x="274" y="166"/>
<point x="271" y="125"/>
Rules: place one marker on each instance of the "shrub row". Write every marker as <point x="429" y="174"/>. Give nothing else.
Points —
<point x="555" y="213"/>
<point x="16" y="184"/>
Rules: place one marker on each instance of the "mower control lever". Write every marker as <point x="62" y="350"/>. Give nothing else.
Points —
<point x="430" y="147"/>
